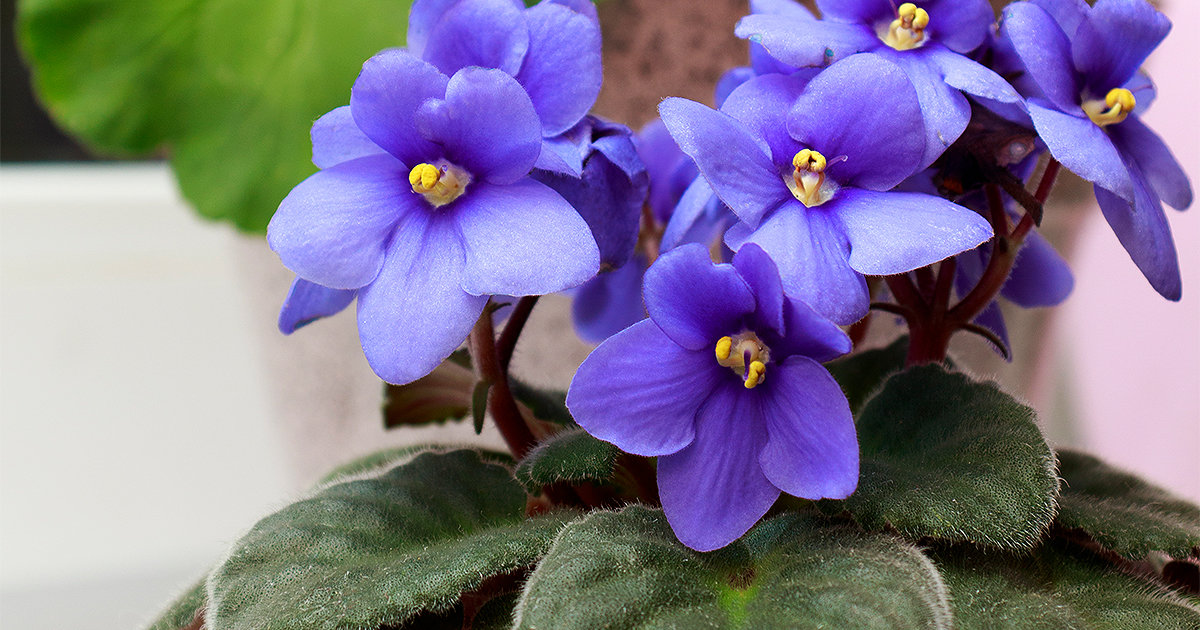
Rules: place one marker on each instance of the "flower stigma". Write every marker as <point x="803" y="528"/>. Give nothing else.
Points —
<point x="907" y="31"/>
<point x="746" y="355"/>
<point x="1113" y="109"/>
<point x="807" y="179"/>
<point x="439" y="184"/>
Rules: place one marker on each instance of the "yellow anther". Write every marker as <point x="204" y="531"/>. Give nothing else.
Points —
<point x="807" y="180"/>
<point x="809" y="160"/>
<point x="1113" y="109"/>
<point x="907" y="31"/>
<point x="424" y="177"/>
<point x="755" y="374"/>
<point x="438" y="184"/>
<point x="724" y="344"/>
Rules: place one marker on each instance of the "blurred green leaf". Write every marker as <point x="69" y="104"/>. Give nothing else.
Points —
<point x="443" y="394"/>
<point x="947" y="457"/>
<point x="379" y="550"/>
<point x="863" y="373"/>
<point x="571" y="456"/>
<point x="1122" y="512"/>
<point x="181" y="612"/>
<point x="626" y="569"/>
<point x="548" y="405"/>
<point x="228" y="88"/>
<point x="1052" y="589"/>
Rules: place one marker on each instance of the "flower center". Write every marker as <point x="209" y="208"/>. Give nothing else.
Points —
<point x="807" y="179"/>
<point x="907" y="31"/>
<point x="746" y="355"/>
<point x="1113" y="109"/>
<point x="439" y="184"/>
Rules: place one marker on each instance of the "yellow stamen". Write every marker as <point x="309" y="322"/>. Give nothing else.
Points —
<point x="907" y="31"/>
<point x="439" y="186"/>
<point x="1113" y="109"/>
<point x="746" y="355"/>
<point x="807" y="180"/>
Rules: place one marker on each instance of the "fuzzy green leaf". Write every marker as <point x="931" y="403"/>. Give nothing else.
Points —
<point x="862" y="374"/>
<point x="1122" y="512"/>
<point x="181" y="612"/>
<point x="571" y="456"/>
<point x="379" y="550"/>
<point x="229" y="88"/>
<point x="626" y="569"/>
<point x="947" y="457"/>
<point x="1053" y="589"/>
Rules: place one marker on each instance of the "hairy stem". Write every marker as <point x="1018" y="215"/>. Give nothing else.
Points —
<point x="512" y="330"/>
<point x="508" y="418"/>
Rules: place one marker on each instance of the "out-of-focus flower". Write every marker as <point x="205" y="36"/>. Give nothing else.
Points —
<point x="724" y="384"/>
<point x="424" y="206"/>
<point x="806" y="169"/>
<point x="927" y="39"/>
<point x="1084" y="61"/>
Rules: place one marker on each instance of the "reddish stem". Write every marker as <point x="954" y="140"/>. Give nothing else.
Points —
<point x="512" y="330"/>
<point x="1047" y="183"/>
<point x="505" y="413"/>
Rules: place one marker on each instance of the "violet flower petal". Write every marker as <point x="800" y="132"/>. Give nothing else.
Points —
<point x="859" y="11"/>
<point x="418" y="294"/>
<point x="970" y="76"/>
<point x="424" y="16"/>
<point x="1045" y="51"/>
<point x="658" y="384"/>
<point x="762" y="105"/>
<point x="1083" y="147"/>
<point x="960" y="25"/>
<point x="896" y="232"/>
<point x="1039" y="277"/>
<point x="761" y="275"/>
<point x="866" y="109"/>
<point x="333" y="228"/>
<point x="690" y="211"/>
<point x="486" y="124"/>
<point x="809" y="334"/>
<point x="384" y="100"/>
<point x="1160" y="168"/>
<point x="788" y="8"/>
<point x="484" y="33"/>
<point x="523" y="239"/>
<point x="693" y="301"/>
<point x="735" y="163"/>
<point x="561" y="71"/>
<point x="945" y="112"/>
<point x="1112" y="43"/>
<point x="1145" y="234"/>
<point x="806" y="43"/>
<point x="336" y="139"/>
<point x="812" y="449"/>
<point x="714" y="490"/>
<point x="610" y="302"/>
<point x="307" y="302"/>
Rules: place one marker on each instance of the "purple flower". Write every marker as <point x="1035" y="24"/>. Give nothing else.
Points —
<point x="806" y="167"/>
<point x="1084" y="61"/>
<point x="927" y="39"/>
<point x="552" y="49"/>
<point x="724" y="384"/>
<point x="424" y="206"/>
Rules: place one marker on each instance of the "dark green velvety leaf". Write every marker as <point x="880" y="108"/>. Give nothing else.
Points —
<point x="1053" y="589"/>
<point x="443" y="394"/>
<point x="378" y="461"/>
<point x="947" y="457"/>
<point x="862" y="374"/>
<point x="229" y="88"/>
<point x="1122" y="512"/>
<point x="626" y="569"/>
<point x="379" y="550"/>
<point x="182" y="611"/>
<point x="572" y="456"/>
<point x="547" y="405"/>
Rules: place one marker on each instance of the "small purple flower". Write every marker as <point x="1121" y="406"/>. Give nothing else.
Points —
<point x="1084" y="61"/>
<point x="806" y="168"/>
<point x="424" y="207"/>
<point x="552" y="49"/>
<point x="724" y="384"/>
<point x="927" y="39"/>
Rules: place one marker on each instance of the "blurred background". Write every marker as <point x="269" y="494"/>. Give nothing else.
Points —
<point x="150" y="412"/>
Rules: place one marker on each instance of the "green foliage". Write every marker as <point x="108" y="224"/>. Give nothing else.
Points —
<point x="947" y="457"/>
<point x="626" y="569"/>
<point x="443" y="394"/>
<point x="548" y="405"/>
<point x="861" y="374"/>
<point x="572" y="456"/>
<point x="182" y="611"/>
<point x="1054" y="590"/>
<point x="379" y="550"/>
<point x="230" y="88"/>
<point x="1122" y="512"/>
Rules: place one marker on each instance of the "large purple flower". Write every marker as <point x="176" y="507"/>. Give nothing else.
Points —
<point x="806" y="169"/>
<point x="552" y="49"/>
<point x="424" y="206"/>
<point x="927" y="39"/>
<point x="1084" y="61"/>
<point x="724" y="384"/>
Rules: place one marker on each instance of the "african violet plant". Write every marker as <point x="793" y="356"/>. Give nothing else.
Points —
<point x="729" y="455"/>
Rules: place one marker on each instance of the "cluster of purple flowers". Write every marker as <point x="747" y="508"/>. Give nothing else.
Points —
<point x="466" y="166"/>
